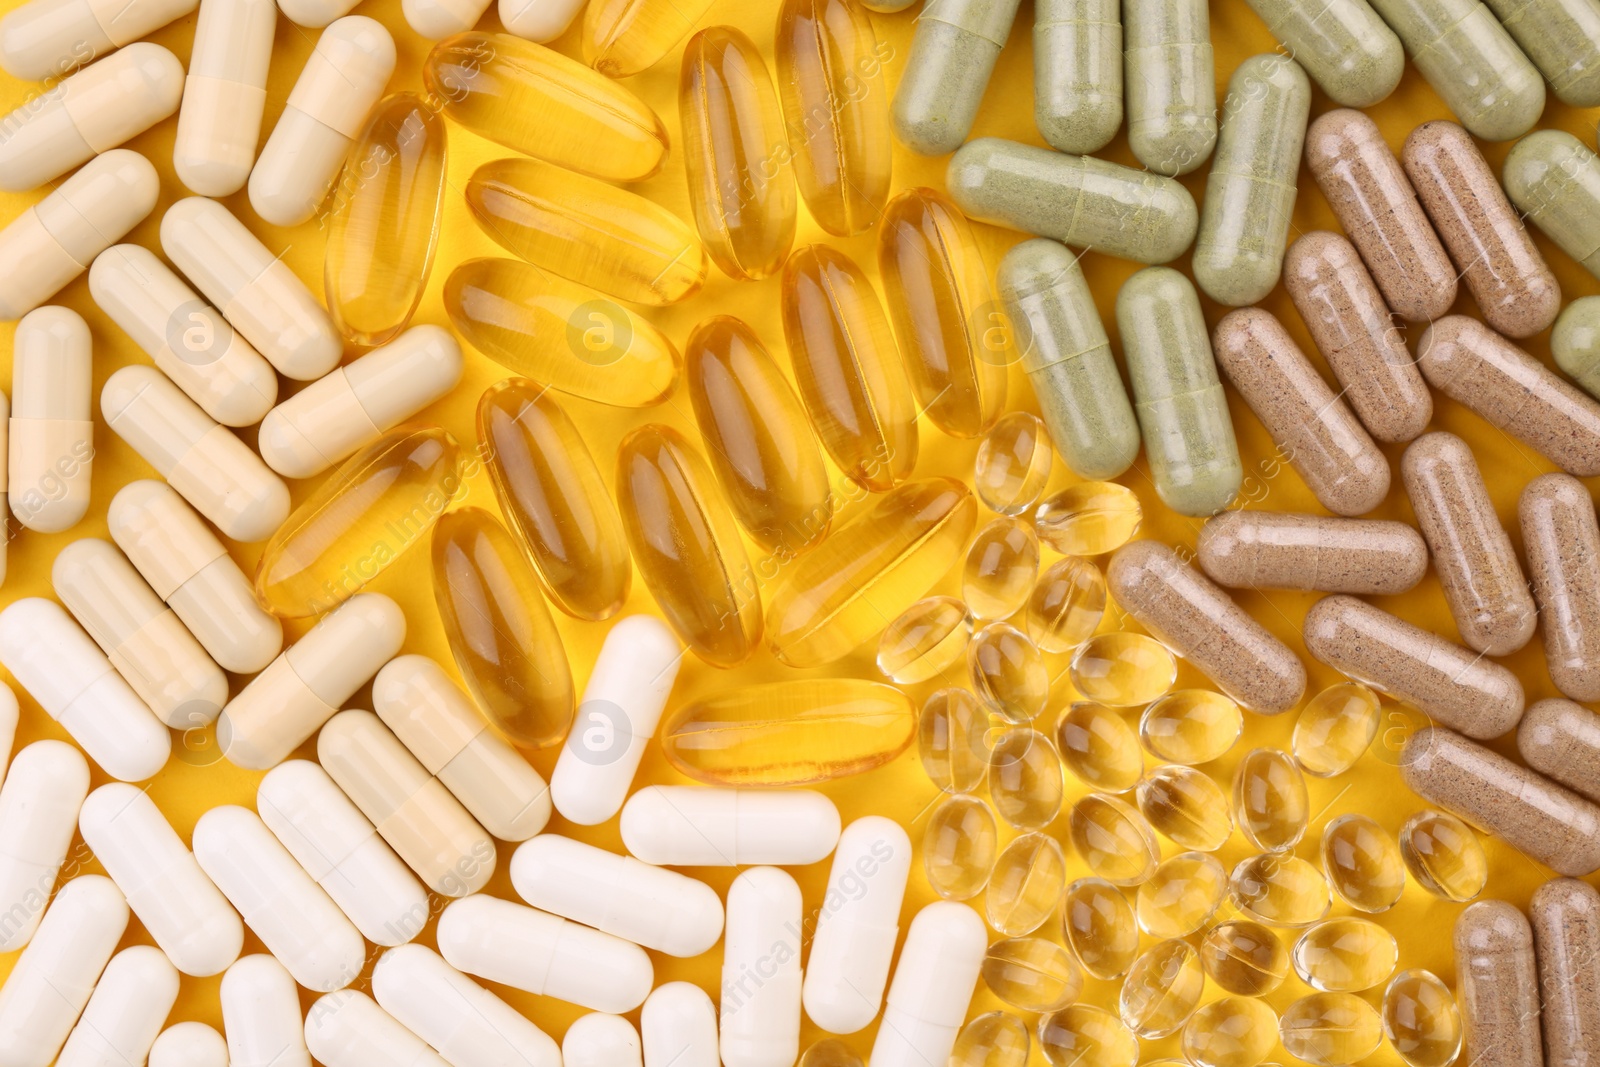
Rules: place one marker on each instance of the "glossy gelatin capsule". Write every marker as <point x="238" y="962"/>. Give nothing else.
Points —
<point x="1008" y="673"/>
<point x="1342" y="44"/>
<point x="1330" y="1029"/>
<point x="1230" y="1032"/>
<point x="44" y="39"/>
<point x="830" y="1052"/>
<point x="1190" y="726"/>
<point x="1421" y="1020"/>
<point x="1565" y="915"/>
<point x="1345" y="955"/>
<point x="924" y="640"/>
<point x="1123" y="669"/>
<point x="1335" y="729"/>
<point x="1169" y="82"/>
<point x="1187" y="807"/>
<point x="1497" y="984"/>
<point x="1575" y="343"/>
<point x="1443" y="855"/>
<point x="1113" y="839"/>
<point x="958" y="847"/>
<point x="1099" y="747"/>
<point x="623" y="37"/>
<point x="1182" y="895"/>
<point x="1025" y="785"/>
<point x="1561" y="537"/>
<point x="1162" y="989"/>
<point x="953" y="740"/>
<point x="1066" y="605"/>
<point x="1025" y="886"/>
<point x="1099" y="926"/>
<point x="1089" y="519"/>
<point x="1554" y="180"/>
<point x="1559" y="37"/>
<point x="224" y="96"/>
<point x="1085" y="1036"/>
<point x="1032" y="974"/>
<point x="1077" y="73"/>
<point x="1013" y="463"/>
<point x="993" y="1039"/>
<point x="1288" y="550"/>
<point x="1269" y="800"/>
<point x="540" y="103"/>
<point x="1244" y="957"/>
<point x="953" y="54"/>
<point x="1362" y="862"/>
<point x="1561" y="740"/>
<point x="1280" y="890"/>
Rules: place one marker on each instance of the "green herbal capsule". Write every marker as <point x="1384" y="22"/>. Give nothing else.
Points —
<point x="1342" y="44"/>
<point x="1575" y="343"/>
<point x="952" y="55"/>
<point x="1562" y="37"/>
<point x="1077" y="72"/>
<point x="1170" y="75"/>
<point x="1554" y="180"/>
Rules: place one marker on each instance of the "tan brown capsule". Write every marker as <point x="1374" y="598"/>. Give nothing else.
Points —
<point x="1498" y="986"/>
<point x="1286" y="550"/>
<point x="1561" y="740"/>
<point x="1562" y="542"/>
<point x="1565" y="915"/>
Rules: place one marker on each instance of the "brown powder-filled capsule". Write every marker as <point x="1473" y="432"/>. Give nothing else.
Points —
<point x="1197" y="620"/>
<point x="1498" y="985"/>
<point x="1472" y="554"/>
<point x="1284" y="550"/>
<point x="1476" y="367"/>
<point x="1444" y="681"/>
<point x="1310" y="425"/>
<point x="1503" y="270"/>
<point x="1561" y="740"/>
<point x="1356" y="333"/>
<point x="1566" y="937"/>
<point x="1523" y="808"/>
<point x="1562" y="541"/>
<point x="1377" y="207"/>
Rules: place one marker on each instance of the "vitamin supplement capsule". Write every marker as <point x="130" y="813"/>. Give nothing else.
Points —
<point x="142" y="637"/>
<point x="326" y="111"/>
<point x="536" y="101"/>
<point x="188" y="339"/>
<point x="932" y="987"/>
<point x="958" y="847"/>
<point x="292" y="916"/>
<point x="1575" y="343"/>
<point x="1084" y="1036"/>
<point x="1190" y="726"/>
<point x="994" y="1039"/>
<point x="1025" y="885"/>
<point x="1330" y="1029"/>
<point x="1443" y="855"/>
<point x="953" y="741"/>
<point x="1244" y="957"/>
<point x="1558" y="37"/>
<point x="624" y="37"/>
<point x="1183" y="414"/>
<point x="1446" y="682"/>
<point x="1286" y="550"/>
<point x="180" y="908"/>
<point x="341" y="851"/>
<point x="840" y="595"/>
<point x="1355" y="332"/>
<point x="1565" y="916"/>
<point x="1032" y="974"/>
<point x="436" y="19"/>
<point x="1067" y="357"/>
<point x="1345" y="955"/>
<point x="1554" y="180"/>
<point x="1182" y="895"/>
<point x="189" y="1045"/>
<point x="1123" y="669"/>
<point x="1562" y="541"/>
<point x="1363" y="864"/>
<point x="1089" y="519"/>
<point x="39" y="806"/>
<point x="687" y="546"/>
<point x="1497" y="984"/>
<point x="1561" y="740"/>
<point x="1269" y="800"/>
<point x="760" y="1019"/>
<point x="224" y="95"/>
<point x="261" y="1015"/>
<point x="1162" y="990"/>
<point x="73" y="682"/>
<point x="454" y="1014"/>
<point x="1099" y="747"/>
<point x="1169" y="83"/>
<point x="1013" y="462"/>
<point x="1187" y="807"/>
<point x="1280" y="890"/>
<point x="1342" y="44"/>
<point x="601" y="1040"/>
<point x="1066" y="605"/>
<point x="1008" y="673"/>
<point x="425" y="825"/>
<point x="50" y="451"/>
<point x="1230" y="1032"/>
<point x="953" y="54"/>
<point x="1098" y="924"/>
<point x="1077" y="73"/>
<point x="1421" y="1020"/>
<point x="1250" y="191"/>
<point x="347" y="1029"/>
<point x="47" y="39"/>
<point x="701" y="826"/>
<point x="126" y="1011"/>
<point x="830" y="1052"/>
<point x="1078" y="200"/>
<point x="55" y="240"/>
<point x="253" y="289"/>
<point x="1025" y="784"/>
<point x="924" y="640"/>
<point x="305" y="686"/>
<point x="314" y="14"/>
<point x="1113" y="840"/>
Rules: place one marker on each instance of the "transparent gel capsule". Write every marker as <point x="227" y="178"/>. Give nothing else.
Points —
<point x="1066" y="605"/>
<point x="1280" y="890"/>
<point x="1032" y="974"/>
<point x="1182" y="895"/>
<point x="1013" y="464"/>
<point x="958" y="847"/>
<point x="1244" y="957"/>
<point x="1000" y="569"/>
<point x="1082" y="1036"/>
<point x="1345" y="955"/>
<point x="1191" y="726"/>
<point x="1269" y="800"/>
<point x="1421" y="1019"/>
<point x="1330" y="1029"/>
<point x="623" y="37"/>
<point x="1099" y="926"/>
<point x="1362" y="863"/>
<point x="994" y="1039"/>
<point x="1185" y="806"/>
<point x="830" y="1052"/>
<point x="1026" y="884"/>
<point x="1099" y="747"/>
<point x="1123" y="669"/>
<point x="1162" y="989"/>
<point x="1089" y="519"/>
<point x="924" y="640"/>
<point x="1025" y="784"/>
<point x="1230" y="1032"/>
<point x="1008" y="673"/>
<point x="1443" y="855"/>
<point x="953" y="740"/>
<point x="1113" y="840"/>
<point x="1335" y="728"/>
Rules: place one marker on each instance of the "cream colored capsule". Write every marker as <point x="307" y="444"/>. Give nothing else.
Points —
<point x="255" y="290"/>
<point x="436" y="19"/>
<point x="327" y="109"/>
<point x="313" y="15"/>
<point x="261" y="1015"/>
<point x="49" y="38"/>
<point x="1497" y="982"/>
<point x="224" y="95"/>
<point x="538" y="20"/>
<point x="204" y="462"/>
<point x="1286" y="550"/>
<point x="127" y="1010"/>
<point x="468" y="1024"/>
<point x="56" y="239"/>
<point x="95" y="110"/>
<point x="348" y="1029"/>
<point x="44" y="789"/>
<point x="5" y="477"/>
<point x="191" y="571"/>
<point x="51" y="448"/>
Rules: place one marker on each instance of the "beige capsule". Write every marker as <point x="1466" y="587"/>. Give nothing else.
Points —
<point x="1561" y="740"/>
<point x="1378" y="208"/>
<point x="1562" y="541"/>
<point x="1498" y="986"/>
<point x="1565" y="915"/>
<point x="1311" y="426"/>
<point x="1472" y="555"/>
<point x="1288" y="550"/>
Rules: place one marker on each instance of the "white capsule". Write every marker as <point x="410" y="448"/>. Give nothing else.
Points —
<point x="224" y="95"/>
<point x="277" y="899"/>
<point x="55" y="661"/>
<point x="678" y="1026"/>
<point x="302" y="689"/>
<point x="540" y="953"/>
<point x="51" y="450"/>
<point x="437" y="19"/>
<point x="707" y="826"/>
<point x="857" y="925"/>
<point x="650" y="906"/>
<point x="190" y="569"/>
<point x="38" y="813"/>
<point x="538" y="20"/>
<point x="5" y="473"/>
<point x="464" y="1022"/>
<point x="129" y="1006"/>
<point x="315" y="14"/>
<point x="621" y="708"/>
<point x="932" y="986"/>
<point x="9" y="713"/>
<point x="601" y="1040"/>
<point x="348" y="1029"/>
<point x="261" y="1015"/>
<point x="189" y="1045"/>
<point x="761" y="971"/>
<point x="438" y="724"/>
<point x="255" y="291"/>
<point x="50" y="38"/>
<point x="86" y="115"/>
<point x="56" y="239"/>
<point x="327" y="109"/>
<point x="208" y="466"/>
<point x="188" y="339"/>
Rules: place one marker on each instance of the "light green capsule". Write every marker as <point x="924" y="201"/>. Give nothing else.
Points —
<point x="1554" y="180"/>
<point x="1078" y="200"/>
<point x="1171" y="81"/>
<point x="1343" y="44"/>
<point x="1575" y="342"/>
<point x="1471" y="62"/>
<point x="1562" y="37"/>
<point x="952" y="55"/>
<point x="1077" y="72"/>
<point x="1244" y="224"/>
<point x="1188" y="433"/>
<point x="1067" y="357"/>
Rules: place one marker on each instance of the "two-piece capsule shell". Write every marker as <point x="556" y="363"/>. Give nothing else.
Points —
<point x="761" y="984"/>
<point x="1559" y="37"/>
<point x="1561" y="740"/>
<point x="1554" y="180"/>
<point x="224" y="95"/>
<point x="707" y="826"/>
<point x="1565" y="916"/>
<point x="189" y="1044"/>
<point x="1561" y="538"/>
<point x="261" y="1014"/>
<point x="599" y="1039"/>
<point x="348" y="1029"/>
<point x="932" y="986"/>
<point x="125" y="1012"/>
<point x="40" y="39"/>
<point x="454" y="1014"/>
<point x="678" y="1024"/>
<point x="1077" y="73"/>
<point x="1169" y="83"/>
<point x="1497" y="981"/>
<point x="953" y="53"/>
<point x="1283" y="550"/>
<point x="1342" y="44"/>
<point x="50" y="449"/>
<point x="1575" y="342"/>
<point x="44" y="788"/>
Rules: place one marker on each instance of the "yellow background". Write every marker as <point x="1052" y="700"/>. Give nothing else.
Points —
<point x="196" y="781"/>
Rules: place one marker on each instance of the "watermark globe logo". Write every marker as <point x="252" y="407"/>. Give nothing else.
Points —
<point x="602" y="733"/>
<point x="998" y="338"/>
<point x="196" y="334"/>
<point x="599" y="332"/>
